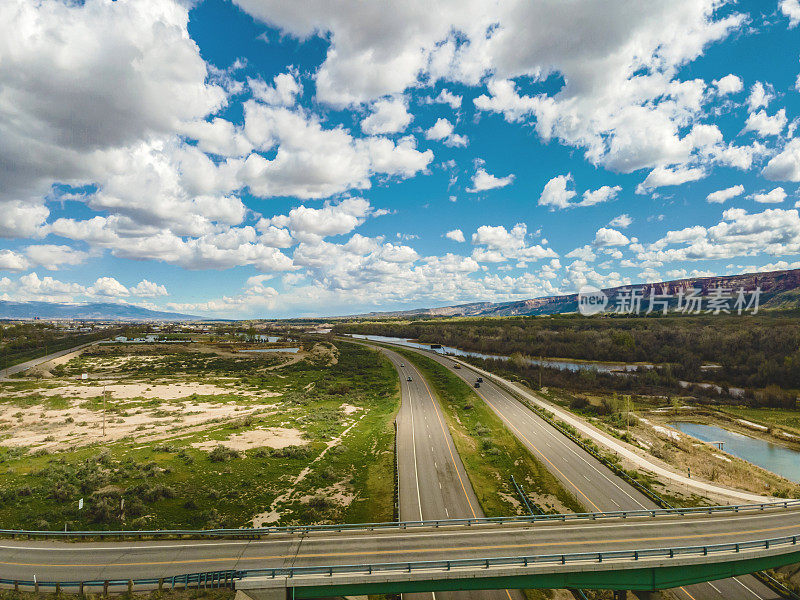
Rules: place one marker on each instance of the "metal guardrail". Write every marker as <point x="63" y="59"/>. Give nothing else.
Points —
<point x="775" y="585"/>
<point x="305" y="529"/>
<point x="228" y="578"/>
<point x="526" y="561"/>
<point x="205" y="580"/>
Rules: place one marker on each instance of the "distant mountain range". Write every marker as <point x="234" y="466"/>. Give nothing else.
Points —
<point x="96" y="311"/>
<point x="779" y="289"/>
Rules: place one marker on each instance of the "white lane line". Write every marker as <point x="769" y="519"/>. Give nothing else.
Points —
<point x="747" y="588"/>
<point x="532" y="418"/>
<point x="528" y="415"/>
<point x="414" y="446"/>
<point x="716" y="589"/>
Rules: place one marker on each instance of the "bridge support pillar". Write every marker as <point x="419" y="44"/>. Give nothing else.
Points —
<point x="274" y="593"/>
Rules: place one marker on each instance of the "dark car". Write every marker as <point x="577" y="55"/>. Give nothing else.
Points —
<point x="408" y="379"/>
<point x="480" y="380"/>
<point x="477" y="385"/>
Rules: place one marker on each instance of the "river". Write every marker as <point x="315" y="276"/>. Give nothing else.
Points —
<point x="773" y="457"/>
<point x="604" y="367"/>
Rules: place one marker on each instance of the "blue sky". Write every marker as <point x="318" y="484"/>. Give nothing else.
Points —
<point x="257" y="158"/>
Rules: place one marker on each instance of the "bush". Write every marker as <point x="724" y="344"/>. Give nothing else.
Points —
<point x="222" y="454"/>
<point x="320" y="502"/>
<point x="578" y="403"/>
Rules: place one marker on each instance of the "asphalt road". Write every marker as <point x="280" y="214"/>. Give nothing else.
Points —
<point x="433" y="482"/>
<point x="592" y="483"/>
<point x="4" y="373"/>
<point x="433" y="485"/>
<point x="116" y="560"/>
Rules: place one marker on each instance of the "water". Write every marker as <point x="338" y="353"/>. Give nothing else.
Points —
<point x="261" y="337"/>
<point x="773" y="457"/>
<point x="290" y="350"/>
<point x="547" y="362"/>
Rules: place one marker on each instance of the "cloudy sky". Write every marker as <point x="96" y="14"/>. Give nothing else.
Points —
<point x="244" y="158"/>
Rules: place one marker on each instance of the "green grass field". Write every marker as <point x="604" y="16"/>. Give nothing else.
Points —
<point x="133" y="484"/>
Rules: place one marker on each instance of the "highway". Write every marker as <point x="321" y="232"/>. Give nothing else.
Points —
<point x="433" y="485"/>
<point x="57" y="561"/>
<point x="592" y="483"/>
<point x="433" y="482"/>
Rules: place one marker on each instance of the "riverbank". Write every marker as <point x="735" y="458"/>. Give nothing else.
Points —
<point x="646" y="424"/>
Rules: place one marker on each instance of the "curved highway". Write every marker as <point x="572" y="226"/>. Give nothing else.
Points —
<point x="433" y="485"/>
<point x="592" y="483"/>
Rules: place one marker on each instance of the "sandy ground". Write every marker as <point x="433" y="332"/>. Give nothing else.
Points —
<point x="273" y="514"/>
<point x="273" y="437"/>
<point x="76" y="426"/>
<point x="172" y="391"/>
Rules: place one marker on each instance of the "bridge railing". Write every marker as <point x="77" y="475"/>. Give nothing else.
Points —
<point x="229" y="578"/>
<point x="205" y="580"/>
<point x="305" y="529"/>
<point x="526" y="561"/>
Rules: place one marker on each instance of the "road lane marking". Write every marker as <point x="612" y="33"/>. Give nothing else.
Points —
<point x="747" y="588"/>
<point x="478" y="529"/>
<point x="559" y="438"/>
<point x="568" y="445"/>
<point x="539" y="452"/>
<point x="447" y="443"/>
<point x="414" y="446"/>
<point x="685" y="591"/>
<point x="604" y="541"/>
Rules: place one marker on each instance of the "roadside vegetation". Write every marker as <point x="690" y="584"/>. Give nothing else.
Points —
<point x="200" y="437"/>
<point x="20" y="342"/>
<point x="644" y="422"/>
<point x="753" y="351"/>
<point x="490" y="452"/>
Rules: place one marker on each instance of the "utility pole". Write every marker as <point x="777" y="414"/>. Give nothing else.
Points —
<point x="105" y="393"/>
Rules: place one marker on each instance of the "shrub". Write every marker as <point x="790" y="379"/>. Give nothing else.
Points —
<point x="222" y="454"/>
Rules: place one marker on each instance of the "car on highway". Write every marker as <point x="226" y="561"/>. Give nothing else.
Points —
<point x="402" y="364"/>
<point x="479" y="380"/>
<point x="456" y="366"/>
<point x="477" y="385"/>
<point x="408" y="378"/>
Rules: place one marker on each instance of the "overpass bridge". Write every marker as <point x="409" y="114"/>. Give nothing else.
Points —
<point x="632" y="550"/>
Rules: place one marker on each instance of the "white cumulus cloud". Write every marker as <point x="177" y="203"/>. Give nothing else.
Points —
<point x="721" y="196"/>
